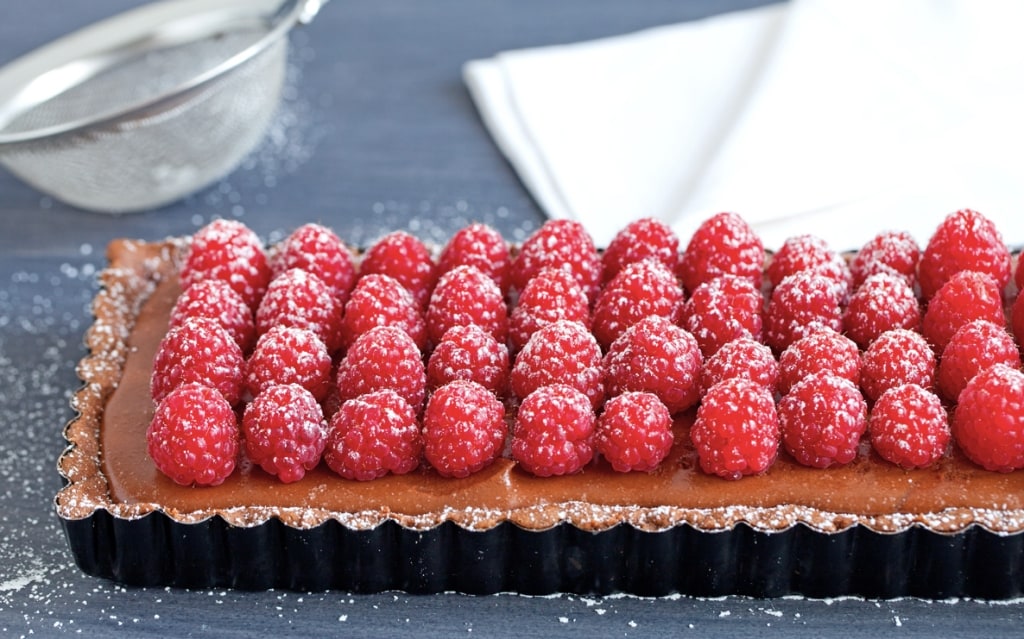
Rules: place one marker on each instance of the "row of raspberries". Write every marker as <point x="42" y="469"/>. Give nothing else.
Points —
<point x="554" y="353"/>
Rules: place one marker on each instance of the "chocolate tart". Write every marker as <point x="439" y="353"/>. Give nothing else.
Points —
<point x="868" y="528"/>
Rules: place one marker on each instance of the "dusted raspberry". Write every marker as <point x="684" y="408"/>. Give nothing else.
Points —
<point x="216" y="300"/>
<point x="988" y="423"/>
<point x="469" y="352"/>
<point x="724" y="244"/>
<point x="373" y="435"/>
<point x="554" y="294"/>
<point x="639" y="290"/>
<point x="909" y="427"/>
<point x="383" y="357"/>
<point x="1017" y="318"/>
<point x="736" y="432"/>
<point x="800" y="305"/>
<point x="300" y="299"/>
<point x="656" y="356"/>
<point x="559" y="244"/>
<point x="199" y="350"/>
<point x="822" y="351"/>
<point x="822" y="419"/>
<point x="883" y="302"/>
<point x="896" y="358"/>
<point x="230" y="251"/>
<point x="289" y="355"/>
<point x="554" y="431"/>
<point x="481" y="246"/>
<point x="645" y="238"/>
<point x="634" y="432"/>
<point x="405" y="258"/>
<point x="380" y="300"/>
<point x="965" y="297"/>
<point x="744" y="358"/>
<point x="463" y="428"/>
<point x="973" y="348"/>
<point x="316" y="249"/>
<point x="560" y="353"/>
<point x="964" y="241"/>
<point x="810" y="253"/>
<point x="892" y="252"/>
<point x="722" y="310"/>
<point x="285" y="431"/>
<point x="193" y="437"/>
<point x="463" y="296"/>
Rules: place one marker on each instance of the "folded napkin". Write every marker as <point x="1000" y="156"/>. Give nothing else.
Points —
<point x="816" y="116"/>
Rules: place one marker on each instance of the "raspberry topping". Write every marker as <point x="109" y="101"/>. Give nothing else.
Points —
<point x="230" y="251"/>
<point x="481" y="246"/>
<point x="405" y="258"/>
<point x="463" y="428"/>
<point x="383" y="357"/>
<point x="469" y="352"/>
<point x="216" y="300"/>
<point x="193" y="437"/>
<point x="634" y="432"/>
<point x="883" y="302"/>
<point x="811" y="253"/>
<point x="289" y="355"/>
<point x="964" y="241"/>
<point x="909" y="427"/>
<point x="896" y="358"/>
<point x="316" y="249"/>
<point x="724" y="244"/>
<point x="380" y="300"/>
<point x="722" y="310"/>
<point x="560" y="353"/>
<point x="373" y="435"/>
<point x="1017" y="318"/>
<point x="892" y="252"/>
<point x="199" y="350"/>
<point x="965" y="297"/>
<point x="1018" y="274"/>
<point x="554" y="431"/>
<point x="801" y="304"/>
<point x="300" y="299"/>
<point x="645" y="238"/>
<point x="285" y="431"/>
<point x="736" y="432"/>
<point x="639" y="290"/>
<point x="823" y="351"/>
<point x="559" y="244"/>
<point x="973" y="348"/>
<point x="464" y="295"/>
<point x="988" y="423"/>
<point x="822" y="419"/>
<point x="744" y="358"/>
<point x="554" y="294"/>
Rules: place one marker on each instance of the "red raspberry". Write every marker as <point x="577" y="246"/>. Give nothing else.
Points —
<point x="964" y="241"/>
<point x="193" y="437"/>
<point x="656" y="356"/>
<point x="724" y="244"/>
<point x="736" y="432"/>
<point x="988" y="422"/>
<point x="216" y="300"/>
<point x="1018" y="274"/>
<point x="481" y="246"/>
<point x="639" y="290"/>
<point x="380" y="300"/>
<point x="289" y="355"/>
<point x="463" y="428"/>
<point x="373" y="435"/>
<point x="230" y="251"/>
<point x="405" y="258"/>
<point x="801" y="304"/>
<point x="909" y="427"/>
<point x="383" y="357"/>
<point x="722" y="310"/>
<point x="300" y="299"/>
<point x="883" y="302"/>
<point x="285" y="431"/>
<point x="822" y="419"/>
<point x="316" y="249"/>
<point x="469" y="352"/>
<point x="823" y="351"/>
<point x="464" y="296"/>
<point x="892" y="252"/>
<point x="559" y="244"/>
<point x="810" y="253"/>
<point x="634" y="432"/>
<point x="554" y="431"/>
<point x="199" y="350"/>
<point x="560" y="353"/>
<point x="1017" y="318"/>
<point x="896" y="358"/>
<point x="645" y="238"/>
<point x="973" y="348"/>
<point x="744" y="358"/>
<point x="554" y="294"/>
<point x="966" y="296"/>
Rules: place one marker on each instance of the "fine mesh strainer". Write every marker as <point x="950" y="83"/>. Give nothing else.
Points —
<point x="150" y="105"/>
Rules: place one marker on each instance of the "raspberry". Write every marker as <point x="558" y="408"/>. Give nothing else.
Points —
<point x="481" y="246"/>
<point x="722" y="310"/>
<point x="300" y="299"/>
<point x="800" y="305"/>
<point x="383" y="357"/>
<point x="193" y="436"/>
<point x="560" y="353"/>
<point x="216" y="300"/>
<point x="892" y="252"/>
<point x="973" y="348"/>
<point x="289" y="355"/>
<point x="634" y="432"/>
<point x="802" y="253"/>
<point x="736" y="432"/>
<point x="199" y="350"/>
<point x="639" y="290"/>
<point x="744" y="358"/>
<point x="964" y="241"/>
<point x="645" y="238"/>
<point x="1018" y="274"/>
<point x="554" y="431"/>
<point x="230" y="251"/>
<point x="316" y="249"/>
<point x="464" y="295"/>
<point x="469" y="352"/>
<point x="883" y="302"/>
<point x="724" y="244"/>
<point x="988" y="422"/>
<point x="559" y="244"/>
<point x="966" y="296"/>
<point x="405" y="258"/>
<point x="285" y="431"/>
<point x="463" y="428"/>
<point x="896" y="358"/>
<point x="822" y="419"/>
<point x="552" y="295"/>
<point x="823" y="351"/>
<point x="656" y="356"/>
<point x="909" y="427"/>
<point x="380" y="300"/>
<point x="373" y="435"/>
<point x="1017" y="318"/>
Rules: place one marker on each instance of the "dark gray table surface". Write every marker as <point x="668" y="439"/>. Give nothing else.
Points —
<point x="376" y="133"/>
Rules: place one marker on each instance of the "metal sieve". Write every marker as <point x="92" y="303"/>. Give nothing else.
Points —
<point x="148" y="106"/>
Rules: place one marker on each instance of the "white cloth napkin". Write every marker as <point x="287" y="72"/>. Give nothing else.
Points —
<point x="830" y="117"/>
